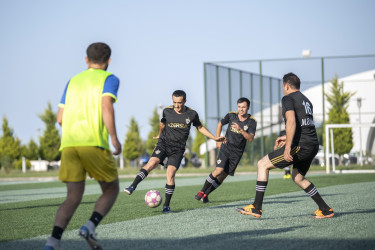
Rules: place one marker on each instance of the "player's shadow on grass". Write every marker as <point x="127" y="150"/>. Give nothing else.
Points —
<point x="250" y="239"/>
<point x="363" y="211"/>
<point x="42" y="206"/>
<point x="337" y="214"/>
<point x="243" y="204"/>
<point x="269" y="200"/>
<point x="298" y="196"/>
<point x="188" y="243"/>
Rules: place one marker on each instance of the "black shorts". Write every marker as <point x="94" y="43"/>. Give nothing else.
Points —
<point x="302" y="157"/>
<point x="174" y="155"/>
<point x="228" y="160"/>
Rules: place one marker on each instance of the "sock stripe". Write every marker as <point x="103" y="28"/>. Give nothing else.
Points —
<point x="210" y="180"/>
<point x="215" y="184"/>
<point x="261" y="188"/>
<point x="169" y="191"/>
<point x="142" y="175"/>
<point x="312" y="192"/>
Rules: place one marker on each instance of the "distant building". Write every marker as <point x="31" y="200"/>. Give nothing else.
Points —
<point x="42" y="165"/>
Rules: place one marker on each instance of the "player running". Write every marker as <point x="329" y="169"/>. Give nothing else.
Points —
<point x="86" y="114"/>
<point x="298" y="147"/>
<point x="173" y="134"/>
<point x="241" y="129"/>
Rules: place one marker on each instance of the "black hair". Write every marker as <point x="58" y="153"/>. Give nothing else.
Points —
<point x="244" y="99"/>
<point x="98" y="53"/>
<point x="292" y="80"/>
<point x="179" y="93"/>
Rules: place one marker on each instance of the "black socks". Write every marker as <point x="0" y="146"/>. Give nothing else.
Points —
<point x="260" y="189"/>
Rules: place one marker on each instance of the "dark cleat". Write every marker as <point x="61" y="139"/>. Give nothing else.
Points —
<point x="205" y="199"/>
<point x="199" y="195"/>
<point x="129" y="190"/>
<point x="90" y="237"/>
<point x="166" y="210"/>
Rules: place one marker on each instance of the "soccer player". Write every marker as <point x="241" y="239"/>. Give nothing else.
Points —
<point x="241" y="129"/>
<point x="298" y="147"/>
<point x="86" y="114"/>
<point x="174" y="131"/>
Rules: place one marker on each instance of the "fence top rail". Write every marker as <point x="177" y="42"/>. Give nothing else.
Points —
<point x="243" y="71"/>
<point x="292" y="59"/>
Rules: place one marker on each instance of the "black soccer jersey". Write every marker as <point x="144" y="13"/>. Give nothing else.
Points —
<point x="234" y="138"/>
<point x="177" y="126"/>
<point x="303" y="109"/>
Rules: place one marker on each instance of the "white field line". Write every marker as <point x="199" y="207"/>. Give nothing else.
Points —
<point x="148" y="183"/>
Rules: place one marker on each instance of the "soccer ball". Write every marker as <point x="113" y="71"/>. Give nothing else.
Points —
<point x="153" y="198"/>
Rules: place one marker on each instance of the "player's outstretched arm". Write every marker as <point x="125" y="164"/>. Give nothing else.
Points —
<point x="162" y="126"/>
<point x="219" y="127"/>
<point x="202" y="129"/>
<point x="108" y="114"/>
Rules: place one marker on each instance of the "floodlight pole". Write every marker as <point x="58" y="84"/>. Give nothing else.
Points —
<point x="323" y="104"/>
<point x="229" y="89"/>
<point x="359" y="104"/>
<point x="205" y="109"/>
<point x="252" y="110"/>
<point x="261" y="108"/>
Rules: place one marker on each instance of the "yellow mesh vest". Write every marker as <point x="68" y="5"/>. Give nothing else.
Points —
<point x="82" y="123"/>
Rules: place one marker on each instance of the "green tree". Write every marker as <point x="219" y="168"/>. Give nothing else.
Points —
<point x="338" y="114"/>
<point x="133" y="146"/>
<point x="50" y="141"/>
<point x="155" y="126"/>
<point x="198" y="141"/>
<point x="245" y="159"/>
<point x="31" y="151"/>
<point x="10" y="146"/>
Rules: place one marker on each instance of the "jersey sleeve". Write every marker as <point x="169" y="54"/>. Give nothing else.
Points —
<point x="62" y="100"/>
<point x="196" y="121"/>
<point x="253" y="127"/>
<point x="163" y="119"/>
<point x="287" y="103"/>
<point x="111" y="86"/>
<point x="225" y="119"/>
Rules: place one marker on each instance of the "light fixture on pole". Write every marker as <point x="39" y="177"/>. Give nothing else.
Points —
<point x="359" y="104"/>
<point x="306" y="53"/>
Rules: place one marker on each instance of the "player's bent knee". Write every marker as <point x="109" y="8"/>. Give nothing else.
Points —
<point x="265" y="163"/>
<point x="217" y="172"/>
<point x="73" y="201"/>
<point x="298" y="179"/>
<point x="152" y="163"/>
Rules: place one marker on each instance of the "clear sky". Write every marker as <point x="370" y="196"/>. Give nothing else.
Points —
<point x="159" y="46"/>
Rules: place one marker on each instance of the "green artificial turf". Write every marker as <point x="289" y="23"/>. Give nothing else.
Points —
<point x="21" y="220"/>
